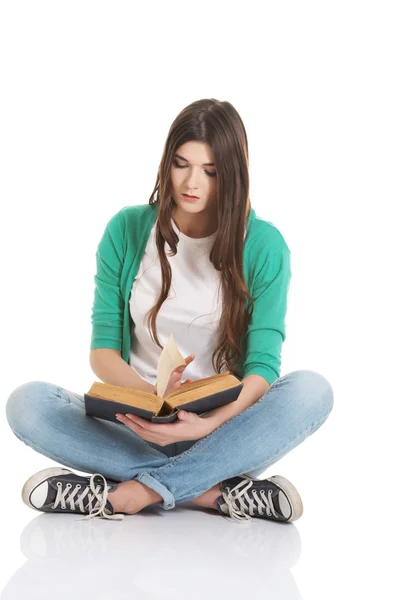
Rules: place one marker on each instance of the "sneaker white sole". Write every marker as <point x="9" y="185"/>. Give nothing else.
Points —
<point x="292" y="494"/>
<point x="36" y="480"/>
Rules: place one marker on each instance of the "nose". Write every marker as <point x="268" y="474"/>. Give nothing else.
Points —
<point x="192" y="180"/>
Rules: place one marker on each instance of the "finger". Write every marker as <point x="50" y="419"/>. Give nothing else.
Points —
<point x="138" y="421"/>
<point x="189" y="359"/>
<point x="143" y="433"/>
<point x="145" y="425"/>
<point x="181" y="368"/>
<point x="152" y="432"/>
<point x="130" y="424"/>
<point x="178" y="371"/>
<point x="134" y="422"/>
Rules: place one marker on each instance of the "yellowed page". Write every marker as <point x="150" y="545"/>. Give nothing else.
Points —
<point x="169" y="360"/>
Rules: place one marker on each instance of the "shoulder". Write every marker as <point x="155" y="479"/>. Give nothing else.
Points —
<point x="131" y="221"/>
<point x="137" y="210"/>
<point x="132" y="216"/>
<point x="265" y="237"/>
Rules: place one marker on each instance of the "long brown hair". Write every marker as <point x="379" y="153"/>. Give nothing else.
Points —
<point x="219" y="125"/>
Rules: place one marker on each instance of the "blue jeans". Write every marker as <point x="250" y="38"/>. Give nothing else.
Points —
<point x="52" y="421"/>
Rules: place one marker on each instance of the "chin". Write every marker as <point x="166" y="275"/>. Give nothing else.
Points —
<point x="189" y="205"/>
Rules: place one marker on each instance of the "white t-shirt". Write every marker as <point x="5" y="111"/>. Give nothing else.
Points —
<point x="191" y="313"/>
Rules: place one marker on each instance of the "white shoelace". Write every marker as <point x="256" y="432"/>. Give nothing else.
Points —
<point x="68" y="497"/>
<point x="234" y="499"/>
<point x="239" y="510"/>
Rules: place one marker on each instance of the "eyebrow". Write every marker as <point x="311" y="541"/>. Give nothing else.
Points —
<point x="203" y="165"/>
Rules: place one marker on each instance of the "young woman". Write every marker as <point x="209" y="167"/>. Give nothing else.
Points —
<point x="197" y="262"/>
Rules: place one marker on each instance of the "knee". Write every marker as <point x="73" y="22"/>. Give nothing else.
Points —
<point x="26" y="402"/>
<point x="314" y="389"/>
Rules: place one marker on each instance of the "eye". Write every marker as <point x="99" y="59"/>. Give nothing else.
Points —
<point x="179" y="166"/>
<point x="185" y="166"/>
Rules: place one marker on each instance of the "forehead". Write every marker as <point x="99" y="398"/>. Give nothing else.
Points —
<point x="196" y="152"/>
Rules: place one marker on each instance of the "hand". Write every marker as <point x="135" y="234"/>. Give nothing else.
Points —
<point x="175" y="377"/>
<point x="189" y="426"/>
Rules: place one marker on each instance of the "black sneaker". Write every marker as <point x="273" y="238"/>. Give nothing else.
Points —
<point x="60" y="490"/>
<point x="244" y="497"/>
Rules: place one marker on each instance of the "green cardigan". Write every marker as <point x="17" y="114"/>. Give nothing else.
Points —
<point x="267" y="271"/>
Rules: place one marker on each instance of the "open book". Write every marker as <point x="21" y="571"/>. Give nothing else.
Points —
<point x="104" y="400"/>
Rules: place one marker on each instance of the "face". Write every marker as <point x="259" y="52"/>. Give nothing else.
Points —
<point x="190" y="174"/>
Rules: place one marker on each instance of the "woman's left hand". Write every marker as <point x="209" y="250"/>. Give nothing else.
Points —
<point x="188" y="426"/>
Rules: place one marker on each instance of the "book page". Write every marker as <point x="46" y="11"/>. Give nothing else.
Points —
<point x="169" y="360"/>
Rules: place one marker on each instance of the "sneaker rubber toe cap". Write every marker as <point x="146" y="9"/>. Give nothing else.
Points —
<point x="39" y="495"/>
<point x="284" y="505"/>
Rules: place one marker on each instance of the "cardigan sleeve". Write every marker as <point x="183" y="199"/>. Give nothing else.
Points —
<point x="108" y="304"/>
<point x="267" y="330"/>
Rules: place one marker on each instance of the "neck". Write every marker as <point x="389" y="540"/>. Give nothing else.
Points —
<point x="195" y="226"/>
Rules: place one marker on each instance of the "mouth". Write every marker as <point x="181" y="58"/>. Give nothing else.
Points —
<point x="190" y="198"/>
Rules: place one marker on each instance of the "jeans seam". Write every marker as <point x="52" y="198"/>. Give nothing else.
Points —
<point x="62" y="395"/>
<point x="310" y="428"/>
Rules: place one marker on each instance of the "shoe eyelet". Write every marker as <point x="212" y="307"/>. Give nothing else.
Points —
<point x="69" y="485"/>
<point x="58" y="483"/>
<point x="78" y="486"/>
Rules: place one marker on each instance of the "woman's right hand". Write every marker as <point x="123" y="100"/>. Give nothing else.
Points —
<point x="176" y="375"/>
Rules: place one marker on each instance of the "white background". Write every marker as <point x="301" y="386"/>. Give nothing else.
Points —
<point x="88" y="93"/>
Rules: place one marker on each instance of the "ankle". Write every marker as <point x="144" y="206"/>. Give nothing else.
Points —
<point x="209" y="498"/>
<point x="131" y="496"/>
<point x="122" y="498"/>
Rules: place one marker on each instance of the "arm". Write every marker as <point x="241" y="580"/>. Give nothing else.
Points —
<point x="253" y="389"/>
<point x="107" y="312"/>
<point x="109" y="367"/>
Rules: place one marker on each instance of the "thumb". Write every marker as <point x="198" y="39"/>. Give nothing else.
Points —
<point x="186" y="415"/>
